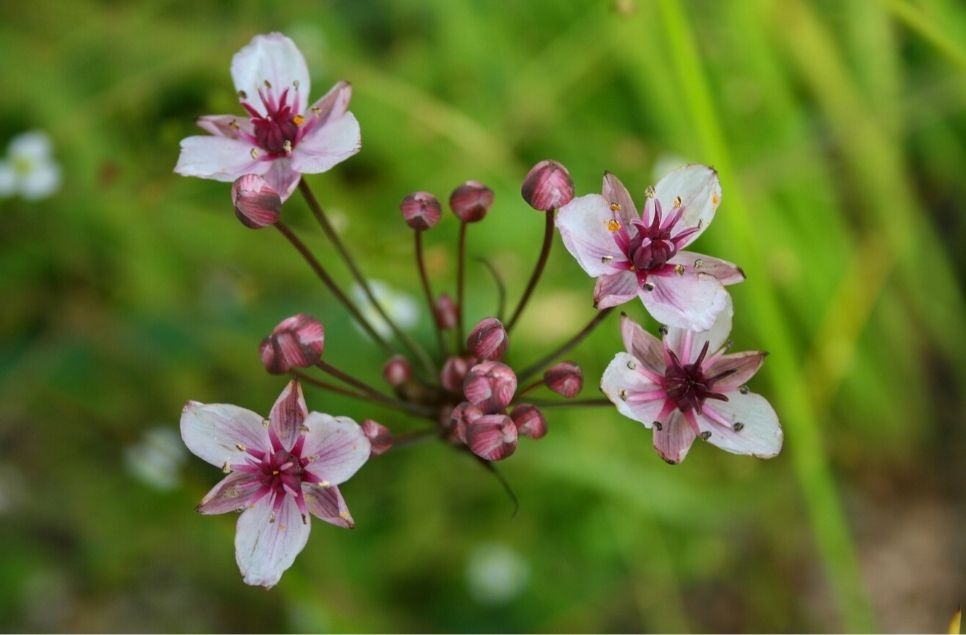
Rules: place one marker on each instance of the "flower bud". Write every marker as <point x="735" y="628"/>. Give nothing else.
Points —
<point x="447" y="313"/>
<point x="487" y="340"/>
<point x="492" y="437"/>
<point x="564" y="379"/>
<point x="296" y="342"/>
<point x="256" y="204"/>
<point x="420" y="210"/>
<point x="547" y="186"/>
<point x="397" y="371"/>
<point x="462" y="415"/>
<point x="471" y="201"/>
<point x="529" y="421"/>
<point x="380" y="438"/>
<point x="490" y="385"/>
<point x="453" y="373"/>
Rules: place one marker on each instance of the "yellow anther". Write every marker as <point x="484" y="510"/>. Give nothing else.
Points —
<point x="715" y="199"/>
<point x="287" y="146"/>
<point x="615" y="206"/>
<point x="649" y="192"/>
<point x="268" y="85"/>
<point x="240" y="447"/>
<point x="679" y="269"/>
<point x="226" y="468"/>
<point x="676" y="202"/>
<point x="613" y="225"/>
<point x="242" y="94"/>
<point x="298" y="120"/>
<point x="324" y="484"/>
<point x="274" y="472"/>
<point x="254" y="153"/>
<point x="233" y="124"/>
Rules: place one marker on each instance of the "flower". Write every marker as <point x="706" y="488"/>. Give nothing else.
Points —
<point x="642" y="256"/>
<point x="282" y="137"/>
<point x="687" y="386"/>
<point x="547" y="186"/>
<point x="256" y="204"/>
<point x="296" y="342"/>
<point x="29" y="170"/>
<point x="157" y="458"/>
<point x="279" y="471"/>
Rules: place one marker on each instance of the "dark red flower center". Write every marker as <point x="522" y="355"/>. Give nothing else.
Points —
<point x="278" y="129"/>
<point x="688" y="386"/>
<point x="649" y="247"/>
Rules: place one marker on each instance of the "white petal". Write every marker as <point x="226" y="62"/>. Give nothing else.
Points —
<point x="281" y="177"/>
<point x="583" y="226"/>
<point x="326" y="503"/>
<point x="266" y="544"/>
<point x="642" y="345"/>
<point x="678" y="339"/>
<point x="328" y="145"/>
<point x="626" y="386"/>
<point x="700" y="193"/>
<point x="615" y="192"/>
<point x="273" y="58"/>
<point x="759" y="435"/>
<point x="231" y="494"/>
<point x="726" y="272"/>
<point x="220" y="433"/>
<point x="30" y="146"/>
<point x="218" y="158"/>
<point x="674" y="439"/>
<point x="41" y="181"/>
<point x="337" y="447"/>
<point x="330" y="107"/>
<point x="288" y="413"/>
<point x="225" y="125"/>
<point x="685" y="301"/>
<point x="614" y="289"/>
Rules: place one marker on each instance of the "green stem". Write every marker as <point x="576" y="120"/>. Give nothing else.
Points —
<point x="537" y="270"/>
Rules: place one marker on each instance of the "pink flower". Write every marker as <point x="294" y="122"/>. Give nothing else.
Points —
<point x="632" y="255"/>
<point x="279" y="471"/>
<point x="688" y="387"/>
<point x="282" y="137"/>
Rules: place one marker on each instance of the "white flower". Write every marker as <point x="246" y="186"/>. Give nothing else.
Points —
<point x="400" y="307"/>
<point x="28" y="169"/>
<point x="157" y="458"/>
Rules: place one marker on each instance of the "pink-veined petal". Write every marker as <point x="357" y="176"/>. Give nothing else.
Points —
<point x="288" y="413"/>
<point x="218" y="158"/>
<point x="716" y="336"/>
<point x="615" y="192"/>
<point x="745" y="424"/>
<point x="583" y="226"/>
<point x="683" y="301"/>
<point x="700" y="193"/>
<point x="330" y="144"/>
<point x="331" y="106"/>
<point x="273" y="58"/>
<point x="220" y="433"/>
<point x="225" y="125"/>
<point x="492" y="437"/>
<point x="281" y="177"/>
<point x="742" y="366"/>
<point x="645" y="347"/>
<point x="673" y="438"/>
<point x="232" y="493"/>
<point x="635" y="394"/>
<point x="726" y="272"/>
<point x="327" y="504"/>
<point x="614" y="289"/>
<point x="336" y="446"/>
<point x="266" y="543"/>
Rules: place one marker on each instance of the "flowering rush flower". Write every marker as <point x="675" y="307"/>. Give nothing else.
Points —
<point x="279" y="471"/>
<point x="687" y="387"/>
<point x="635" y="255"/>
<point x="29" y="169"/>
<point x="282" y="137"/>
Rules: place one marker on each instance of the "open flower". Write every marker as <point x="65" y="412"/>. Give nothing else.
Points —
<point x="282" y="137"/>
<point x="29" y="169"/>
<point x="687" y="387"/>
<point x="635" y="255"/>
<point x="279" y="471"/>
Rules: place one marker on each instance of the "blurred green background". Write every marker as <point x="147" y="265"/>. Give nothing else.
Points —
<point x="839" y="132"/>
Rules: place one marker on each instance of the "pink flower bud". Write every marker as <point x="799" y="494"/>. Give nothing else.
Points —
<point x="380" y="438"/>
<point x="447" y="314"/>
<point x="529" y="421"/>
<point x="397" y="371"/>
<point x="453" y="372"/>
<point x="564" y="379"/>
<point x="256" y="204"/>
<point x="296" y="342"/>
<point x="487" y="340"/>
<point x="471" y="201"/>
<point x="420" y="210"/>
<point x="490" y="385"/>
<point x="492" y="437"/>
<point x="548" y="186"/>
<point x="461" y="415"/>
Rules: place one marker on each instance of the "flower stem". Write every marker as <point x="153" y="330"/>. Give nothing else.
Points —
<point x="428" y="292"/>
<point x="575" y="403"/>
<point x="412" y="438"/>
<point x="331" y="285"/>
<point x="333" y="237"/>
<point x="569" y="344"/>
<point x="367" y="391"/>
<point x="537" y="270"/>
<point x="526" y="389"/>
<point x="460" y="272"/>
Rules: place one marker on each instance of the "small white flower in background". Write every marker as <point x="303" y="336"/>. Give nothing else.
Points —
<point x="495" y="573"/>
<point x="400" y="307"/>
<point x="157" y="458"/>
<point x="29" y="169"/>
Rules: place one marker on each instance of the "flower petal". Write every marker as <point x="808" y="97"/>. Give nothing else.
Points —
<point x="724" y="271"/>
<point x="645" y="347"/>
<point x="742" y="366"/>
<point x="288" y="413"/>
<point x="635" y="394"/>
<point x="673" y="438"/>
<point x="745" y="424"/>
<point x="41" y="181"/>
<point x="685" y="301"/>
<point x="492" y="437"/>
<point x="218" y="158"/>
<point x="700" y="193"/>
<point x="583" y="226"/>
<point x="232" y="493"/>
<point x="271" y="58"/>
<point x="327" y="504"/>
<point x="225" y="125"/>
<point x="687" y="344"/>
<point x="336" y="447"/>
<point x="330" y="107"/>
<point x="615" y="192"/>
<point x="281" y="177"/>
<point x="614" y="289"/>
<point x="327" y="145"/>
<point x="266" y="543"/>
<point x="220" y="433"/>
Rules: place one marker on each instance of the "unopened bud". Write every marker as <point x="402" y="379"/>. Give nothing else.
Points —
<point x="447" y="313"/>
<point x="547" y="186"/>
<point x="492" y="437"/>
<point x="460" y="416"/>
<point x="256" y="204"/>
<point x="420" y="210"/>
<point x="471" y="201"/>
<point x="529" y="421"/>
<point x="397" y="371"/>
<point x="564" y="379"/>
<point x="380" y="438"/>
<point x="296" y="342"/>
<point x="453" y="373"/>
<point x="490" y="385"/>
<point x="487" y="340"/>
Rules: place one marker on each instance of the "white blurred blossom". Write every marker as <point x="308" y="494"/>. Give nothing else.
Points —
<point x="157" y="458"/>
<point x="28" y="169"/>
<point x="495" y="573"/>
<point x="402" y="308"/>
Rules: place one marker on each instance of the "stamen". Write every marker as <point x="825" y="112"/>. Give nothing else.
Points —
<point x="631" y="364"/>
<point x="254" y="153"/>
<point x="679" y="269"/>
<point x="240" y="447"/>
<point x="715" y="199"/>
<point x="287" y="146"/>
<point x="613" y="225"/>
<point x="658" y="426"/>
<point x="676" y="202"/>
<point x="242" y="94"/>
<point x="615" y="207"/>
<point x="607" y="259"/>
<point x="706" y="435"/>
<point x="738" y="426"/>
<point x="743" y="389"/>
<point x="298" y="120"/>
<point x="623" y="394"/>
<point x="268" y="85"/>
<point x="649" y="192"/>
